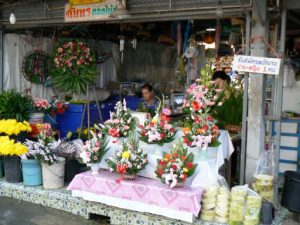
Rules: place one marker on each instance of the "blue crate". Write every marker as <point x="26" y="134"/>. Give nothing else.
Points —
<point x="70" y="120"/>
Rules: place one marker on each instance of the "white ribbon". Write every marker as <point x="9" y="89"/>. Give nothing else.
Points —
<point x="170" y="177"/>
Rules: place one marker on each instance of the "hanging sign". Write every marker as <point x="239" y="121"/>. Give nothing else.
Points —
<point x="253" y="64"/>
<point x="82" y="2"/>
<point x="90" y="12"/>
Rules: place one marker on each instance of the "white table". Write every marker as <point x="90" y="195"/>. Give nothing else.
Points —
<point x="207" y="169"/>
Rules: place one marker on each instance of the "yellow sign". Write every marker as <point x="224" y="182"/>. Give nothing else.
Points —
<point x="83" y="2"/>
<point x="90" y="12"/>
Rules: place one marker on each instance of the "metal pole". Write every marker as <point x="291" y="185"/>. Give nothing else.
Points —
<point x="278" y="109"/>
<point x="245" y="103"/>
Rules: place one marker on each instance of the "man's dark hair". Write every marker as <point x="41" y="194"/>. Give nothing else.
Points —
<point x="147" y="86"/>
<point x="222" y="75"/>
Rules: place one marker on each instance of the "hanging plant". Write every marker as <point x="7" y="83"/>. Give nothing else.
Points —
<point x="74" y="67"/>
<point x="36" y="66"/>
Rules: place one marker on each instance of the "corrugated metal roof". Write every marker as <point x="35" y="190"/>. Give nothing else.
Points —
<point x="37" y="13"/>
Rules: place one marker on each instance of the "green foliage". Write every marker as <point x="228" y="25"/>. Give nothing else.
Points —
<point x="231" y="111"/>
<point x="14" y="105"/>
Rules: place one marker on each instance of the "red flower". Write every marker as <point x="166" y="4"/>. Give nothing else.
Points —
<point x="184" y="176"/>
<point x="215" y="128"/>
<point x="144" y="133"/>
<point x="151" y="124"/>
<point x="175" y="155"/>
<point x="162" y="162"/>
<point x="162" y="135"/>
<point x="205" y="127"/>
<point x="165" y="118"/>
<point x="113" y="132"/>
<point x="172" y="130"/>
<point x="196" y="106"/>
<point x="174" y="167"/>
<point x="159" y="172"/>
<point x="189" y="165"/>
<point x="185" y="140"/>
<point x="210" y="118"/>
<point x="141" y="126"/>
<point x="121" y="169"/>
<point x="196" y="119"/>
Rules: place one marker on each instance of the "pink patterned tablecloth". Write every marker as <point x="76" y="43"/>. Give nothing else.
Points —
<point x="148" y="191"/>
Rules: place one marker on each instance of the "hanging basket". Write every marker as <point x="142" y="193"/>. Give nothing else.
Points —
<point x="233" y="128"/>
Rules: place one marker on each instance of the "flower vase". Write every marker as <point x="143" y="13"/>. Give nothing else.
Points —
<point x="95" y="168"/>
<point x="200" y="154"/>
<point x="129" y="176"/>
<point x="37" y="117"/>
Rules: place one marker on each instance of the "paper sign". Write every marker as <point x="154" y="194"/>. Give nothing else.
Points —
<point x="254" y="64"/>
<point x="89" y="12"/>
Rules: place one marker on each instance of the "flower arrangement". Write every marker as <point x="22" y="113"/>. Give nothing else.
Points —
<point x="94" y="149"/>
<point x="129" y="160"/>
<point x="120" y="122"/>
<point x="203" y="132"/>
<point x="158" y="130"/>
<point x="41" y="105"/>
<point x="200" y="98"/>
<point x="44" y="149"/>
<point x="74" y="67"/>
<point x="13" y="127"/>
<point x="8" y="147"/>
<point x="176" y="166"/>
<point x="200" y="127"/>
<point x="40" y="128"/>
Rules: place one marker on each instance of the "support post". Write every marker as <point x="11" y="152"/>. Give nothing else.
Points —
<point x="256" y="109"/>
<point x="1" y="58"/>
<point x="245" y="104"/>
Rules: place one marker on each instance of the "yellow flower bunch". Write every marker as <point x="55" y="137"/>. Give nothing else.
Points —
<point x="126" y="155"/>
<point x="8" y="147"/>
<point x="12" y="127"/>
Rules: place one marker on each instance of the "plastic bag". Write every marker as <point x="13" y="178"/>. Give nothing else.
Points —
<point x="215" y="202"/>
<point x="263" y="177"/>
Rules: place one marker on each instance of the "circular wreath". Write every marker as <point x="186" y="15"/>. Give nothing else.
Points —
<point x="36" y="66"/>
<point x="74" y="67"/>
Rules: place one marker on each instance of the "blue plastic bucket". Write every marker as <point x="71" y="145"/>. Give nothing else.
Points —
<point x="1" y="168"/>
<point x="32" y="172"/>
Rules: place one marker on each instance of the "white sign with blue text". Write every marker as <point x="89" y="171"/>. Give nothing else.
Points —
<point x="253" y="64"/>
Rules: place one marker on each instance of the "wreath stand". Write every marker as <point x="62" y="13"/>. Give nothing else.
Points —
<point x="87" y="108"/>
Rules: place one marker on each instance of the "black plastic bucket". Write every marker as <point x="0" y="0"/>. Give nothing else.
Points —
<point x="72" y="167"/>
<point x="12" y="169"/>
<point x="291" y="191"/>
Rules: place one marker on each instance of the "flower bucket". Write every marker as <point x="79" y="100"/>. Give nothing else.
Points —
<point x="37" y="117"/>
<point x="53" y="175"/>
<point x="94" y="168"/>
<point x="12" y="169"/>
<point x="32" y="172"/>
<point x="72" y="167"/>
<point x="1" y="168"/>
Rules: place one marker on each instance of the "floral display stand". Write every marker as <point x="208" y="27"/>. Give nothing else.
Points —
<point x="142" y="194"/>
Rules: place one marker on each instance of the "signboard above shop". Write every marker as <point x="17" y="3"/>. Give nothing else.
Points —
<point x="253" y="64"/>
<point x="83" y="2"/>
<point x="90" y="12"/>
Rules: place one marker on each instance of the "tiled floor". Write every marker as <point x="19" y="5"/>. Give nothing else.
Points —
<point x="61" y="199"/>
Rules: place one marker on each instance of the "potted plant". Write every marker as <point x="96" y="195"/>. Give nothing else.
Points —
<point x="74" y="67"/>
<point x="14" y="105"/>
<point x="12" y="134"/>
<point x="53" y="167"/>
<point x="129" y="160"/>
<point x="41" y="106"/>
<point x="11" y="152"/>
<point x="175" y="167"/>
<point x="230" y="114"/>
<point x="158" y="130"/>
<point x="120" y="122"/>
<point x="31" y="166"/>
<point x="93" y="150"/>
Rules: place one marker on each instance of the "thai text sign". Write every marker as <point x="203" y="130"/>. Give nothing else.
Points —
<point x="90" y="12"/>
<point x="82" y="2"/>
<point x="254" y="64"/>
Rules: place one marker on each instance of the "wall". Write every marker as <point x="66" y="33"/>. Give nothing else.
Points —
<point x="291" y="98"/>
